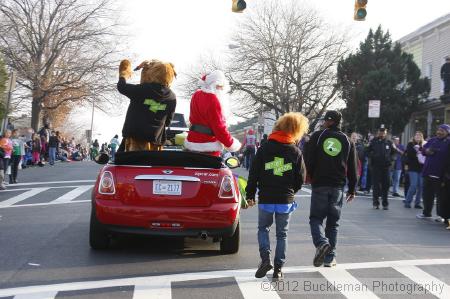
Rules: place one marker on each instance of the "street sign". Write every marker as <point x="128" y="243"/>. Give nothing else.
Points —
<point x="374" y="108"/>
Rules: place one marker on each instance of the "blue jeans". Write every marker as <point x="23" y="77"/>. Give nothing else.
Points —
<point x="265" y="221"/>
<point x="52" y="155"/>
<point x="415" y="187"/>
<point x="326" y="202"/>
<point x="113" y="153"/>
<point x="395" y="175"/>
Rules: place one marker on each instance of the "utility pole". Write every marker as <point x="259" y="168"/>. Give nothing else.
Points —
<point x="11" y="87"/>
<point x="92" y="122"/>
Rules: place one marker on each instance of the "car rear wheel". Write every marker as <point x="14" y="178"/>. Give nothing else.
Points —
<point x="230" y="245"/>
<point x="98" y="235"/>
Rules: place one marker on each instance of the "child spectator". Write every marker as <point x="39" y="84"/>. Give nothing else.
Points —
<point x="278" y="172"/>
<point x="6" y="145"/>
<point x="16" y="156"/>
<point x="36" y="148"/>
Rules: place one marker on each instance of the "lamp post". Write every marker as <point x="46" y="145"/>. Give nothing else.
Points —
<point x="260" y="130"/>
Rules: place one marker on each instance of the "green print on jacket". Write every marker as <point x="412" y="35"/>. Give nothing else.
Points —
<point x="278" y="166"/>
<point x="154" y="106"/>
<point x="332" y="147"/>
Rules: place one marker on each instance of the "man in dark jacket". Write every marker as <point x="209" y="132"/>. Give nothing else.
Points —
<point x="330" y="159"/>
<point x="445" y="75"/>
<point x="381" y="153"/>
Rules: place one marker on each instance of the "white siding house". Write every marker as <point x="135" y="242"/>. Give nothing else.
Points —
<point x="429" y="45"/>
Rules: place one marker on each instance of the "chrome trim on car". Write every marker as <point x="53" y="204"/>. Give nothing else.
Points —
<point x="168" y="178"/>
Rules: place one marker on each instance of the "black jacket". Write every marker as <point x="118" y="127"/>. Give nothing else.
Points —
<point x="277" y="171"/>
<point x="445" y="71"/>
<point x="151" y="110"/>
<point x="411" y="158"/>
<point x="330" y="158"/>
<point x="53" y="141"/>
<point x="381" y="152"/>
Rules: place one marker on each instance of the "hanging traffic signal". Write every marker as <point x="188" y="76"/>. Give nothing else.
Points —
<point x="360" y="10"/>
<point x="238" y="6"/>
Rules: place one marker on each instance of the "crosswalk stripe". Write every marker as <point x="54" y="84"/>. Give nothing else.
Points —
<point x="45" y="204"/>
<point x="341" y="277"/>
<point x="251" y="287"/>
<point x="162" y="284"/>
<point x="69" y="196"/>
<point x="160" y="289"/>
<point x="20" y="197"/>
<point x="43" y="295"/>
<point x="426" y="280"/>
<point x="54" y="182"/>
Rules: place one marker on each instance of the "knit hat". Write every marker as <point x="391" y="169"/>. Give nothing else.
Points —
<point x="445" y="127"/>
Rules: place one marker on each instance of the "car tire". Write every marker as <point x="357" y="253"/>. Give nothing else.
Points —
<point x="98" y="235"/>
<point x="230" y="245"/>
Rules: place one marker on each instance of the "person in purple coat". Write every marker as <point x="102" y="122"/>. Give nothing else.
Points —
<point x="436" y="151"/>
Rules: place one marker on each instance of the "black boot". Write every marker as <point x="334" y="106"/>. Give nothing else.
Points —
<point x="321" y="252"/>
<point x="277" y="273"/>
<point x="11" y="179"/>
<point x="264" y="267"/>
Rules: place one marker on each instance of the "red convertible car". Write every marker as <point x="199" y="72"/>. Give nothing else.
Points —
<point x="167" y="193"/>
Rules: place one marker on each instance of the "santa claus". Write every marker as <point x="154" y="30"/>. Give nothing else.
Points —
<point x="209" y="107"/>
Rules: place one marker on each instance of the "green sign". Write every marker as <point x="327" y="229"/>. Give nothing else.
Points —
<point x="278" y="166"/>
<point x="332" y="147"/>
<point x="154" y="106"/>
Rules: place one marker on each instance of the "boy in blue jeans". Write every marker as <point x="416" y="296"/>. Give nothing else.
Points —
<point x="278" y="172"/>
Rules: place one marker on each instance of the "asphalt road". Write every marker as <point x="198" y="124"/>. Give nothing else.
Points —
<point x="44" y="251"/>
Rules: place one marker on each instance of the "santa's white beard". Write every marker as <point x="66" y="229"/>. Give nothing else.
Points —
<point x="224" y="100"/>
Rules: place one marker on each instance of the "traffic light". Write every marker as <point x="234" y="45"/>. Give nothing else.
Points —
<point x="238" y="6"/>
<point x="360" y="10"/>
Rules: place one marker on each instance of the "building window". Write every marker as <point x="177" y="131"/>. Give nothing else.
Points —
<point x="429" y="71"/>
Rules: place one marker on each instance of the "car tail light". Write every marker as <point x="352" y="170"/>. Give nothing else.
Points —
<point x="106" y="185"/>
<point x="227" y="188"/>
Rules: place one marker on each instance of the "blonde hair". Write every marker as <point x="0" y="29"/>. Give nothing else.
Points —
<point x="421" y="135"/>
<point x="293" y="123"/>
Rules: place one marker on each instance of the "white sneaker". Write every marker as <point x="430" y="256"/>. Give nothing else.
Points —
<point x="422" y="216"/>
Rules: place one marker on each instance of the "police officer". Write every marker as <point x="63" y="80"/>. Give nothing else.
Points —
<point x="330" y="160"/>
<point x="381" y="153"/>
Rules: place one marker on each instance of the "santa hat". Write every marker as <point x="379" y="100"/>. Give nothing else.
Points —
<point x="209" y="81"/>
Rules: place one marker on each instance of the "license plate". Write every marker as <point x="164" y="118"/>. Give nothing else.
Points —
<point x="167" y="187"/>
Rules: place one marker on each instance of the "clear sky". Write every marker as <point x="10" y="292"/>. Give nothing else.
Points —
<point x="180" y="31"/>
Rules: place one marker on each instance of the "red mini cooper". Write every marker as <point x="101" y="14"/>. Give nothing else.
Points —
<point x="166" y="193"/>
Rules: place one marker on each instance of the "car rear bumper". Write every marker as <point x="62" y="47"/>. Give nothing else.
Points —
<point x="219" y="219"/>
<point x="193" y="232"/>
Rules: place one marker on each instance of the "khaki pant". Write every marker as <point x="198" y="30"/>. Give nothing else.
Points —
<point x="133" y="145"/>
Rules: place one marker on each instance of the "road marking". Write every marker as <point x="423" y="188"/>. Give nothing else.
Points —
<point x="153" y="289"/>
<point x="54" y="182"/>
<point x="45" y="204"/>
<point x="20" y="197"/>
<point x="337" y="276"/>
<point x="69" y="196"/>
<point x="433" y="285"/>
<point x="251" y="287"/>
<point x="51" y="187"/>
<point x="160" y="283"/>
<point x="306" y="190"/>
<point x="43" y="295"/>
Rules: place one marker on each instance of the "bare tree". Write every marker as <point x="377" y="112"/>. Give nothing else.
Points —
<point x="284" y="58"/>
<point x="63" y="50"/>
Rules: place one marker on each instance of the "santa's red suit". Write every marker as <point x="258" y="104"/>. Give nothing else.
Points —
<point x="209" y="133"/>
